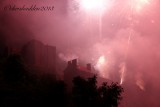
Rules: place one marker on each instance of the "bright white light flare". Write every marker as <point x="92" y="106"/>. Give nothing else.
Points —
<point x="101" y="64"/>
<point x="101" y="60"/>
<point x="92" y="4"/>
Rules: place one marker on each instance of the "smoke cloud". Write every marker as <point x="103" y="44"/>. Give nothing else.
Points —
<point x="129" y="42"/>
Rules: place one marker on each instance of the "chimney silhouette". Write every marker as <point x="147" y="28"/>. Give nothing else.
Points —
<point x="74" y="63"/>
<point x="89" y="67"/>
<point x="69" y="64"/>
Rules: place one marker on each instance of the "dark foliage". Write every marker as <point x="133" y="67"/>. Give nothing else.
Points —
<point x="14" y="70"/>
<point x="86" y="93"/>
<point x="110" y="95"/>
<point x="19" y="87"/>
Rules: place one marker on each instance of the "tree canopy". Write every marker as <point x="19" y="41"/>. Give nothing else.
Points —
<point x="86" y="93"/>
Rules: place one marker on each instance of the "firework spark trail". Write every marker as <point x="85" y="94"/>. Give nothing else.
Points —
<point x="130" y="31"/>
<point x="124" y="12"/>
<point x="100" y="25"/>
<point x="135" y="6"/>
<point x="123" y="70"/>
<point x="130" y="8"/>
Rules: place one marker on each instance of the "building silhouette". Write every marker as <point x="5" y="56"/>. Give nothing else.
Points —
<point x="73" y="70"/>
<point x="36" y="54"/>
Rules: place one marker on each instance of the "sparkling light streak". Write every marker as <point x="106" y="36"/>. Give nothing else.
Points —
<point x="135" y="6"/>
<point x="122" y="72"/>
<point x="93" y="11"/>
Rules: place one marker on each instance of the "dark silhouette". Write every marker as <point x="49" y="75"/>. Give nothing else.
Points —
<point x="14" y="69"/>
<point x="21" y="85"/>
<point x="110" y="95"/>
<point x="86" y="93"/>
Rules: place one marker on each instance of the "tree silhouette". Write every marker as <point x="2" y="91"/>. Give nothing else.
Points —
<point x="79" y="91"/>
<point x="86" y="93"/>
<point x="14" y="69"/>
<point x="110" y="95"/>
<point x="22" y="88"/>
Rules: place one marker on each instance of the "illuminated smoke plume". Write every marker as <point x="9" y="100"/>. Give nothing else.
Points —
<point x="101" y="66"/>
